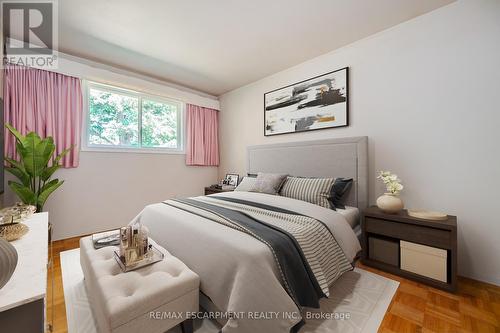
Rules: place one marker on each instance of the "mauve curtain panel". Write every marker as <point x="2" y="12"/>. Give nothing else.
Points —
<point x="202" y="136"/>
<point x="47" y="103"/>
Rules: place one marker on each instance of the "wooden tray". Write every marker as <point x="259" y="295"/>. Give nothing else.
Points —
<point x="156" y="257"/>
<point x="427" y="215"/>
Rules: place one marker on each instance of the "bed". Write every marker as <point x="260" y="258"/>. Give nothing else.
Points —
<point x="242" y="275"/>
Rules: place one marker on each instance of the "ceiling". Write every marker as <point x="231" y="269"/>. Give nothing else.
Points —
<point x="217" y="46"/>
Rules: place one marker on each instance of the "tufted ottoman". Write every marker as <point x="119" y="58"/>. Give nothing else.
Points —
<point x="151" y="299"/>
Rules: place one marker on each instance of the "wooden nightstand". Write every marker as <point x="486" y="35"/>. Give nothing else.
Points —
<point x="417" y="249"/>
<point x="212" y="190"/>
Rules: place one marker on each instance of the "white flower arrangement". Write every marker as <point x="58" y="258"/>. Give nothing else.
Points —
<point x="391" y="181"/>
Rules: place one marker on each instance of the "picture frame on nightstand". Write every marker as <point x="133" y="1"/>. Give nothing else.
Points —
<point x="231" y="179"/>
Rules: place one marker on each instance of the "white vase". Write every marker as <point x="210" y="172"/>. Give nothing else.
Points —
<point x="390" y="203"/>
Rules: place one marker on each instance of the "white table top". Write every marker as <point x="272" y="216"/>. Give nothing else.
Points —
<point x="29" y="281"/>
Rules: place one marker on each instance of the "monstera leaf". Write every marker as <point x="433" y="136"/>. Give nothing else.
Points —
<point x="33" y="169"/>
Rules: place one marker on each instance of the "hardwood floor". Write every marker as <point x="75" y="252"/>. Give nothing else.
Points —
<point x="414" y="308"/>
<point x="57" y="310"/>
<point x="418" y="308"/>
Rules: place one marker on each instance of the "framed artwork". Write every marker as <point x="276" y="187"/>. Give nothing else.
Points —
<point x="231" y="179"/>
<point x="317" y="103"/>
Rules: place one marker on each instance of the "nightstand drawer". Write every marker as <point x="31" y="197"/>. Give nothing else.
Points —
<point x="424" y="260"/>
<point x="414" y="233"/>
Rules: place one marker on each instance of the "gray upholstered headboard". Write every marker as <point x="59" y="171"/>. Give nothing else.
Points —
<point x="343" y="157"/>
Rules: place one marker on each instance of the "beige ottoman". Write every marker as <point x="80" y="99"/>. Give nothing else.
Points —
<point x="152" y="299"/>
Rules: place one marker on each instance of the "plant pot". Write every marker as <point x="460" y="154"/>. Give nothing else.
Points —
<point x="8" y="261"/>
<point x="390" y="203"/>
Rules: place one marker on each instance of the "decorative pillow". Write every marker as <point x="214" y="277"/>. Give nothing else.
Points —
<point x="247" y="184"/>
<point x="339" y="192"/>
<point x="313" y="190"/>
<point x="269" y="183"/>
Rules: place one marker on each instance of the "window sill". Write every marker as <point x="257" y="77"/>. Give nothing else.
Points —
<point x="133" y="150"/>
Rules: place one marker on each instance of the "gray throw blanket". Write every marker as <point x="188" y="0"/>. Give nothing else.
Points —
<point x="306" y="252"/>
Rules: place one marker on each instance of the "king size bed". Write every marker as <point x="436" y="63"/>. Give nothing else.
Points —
<point x="265" y="258"/>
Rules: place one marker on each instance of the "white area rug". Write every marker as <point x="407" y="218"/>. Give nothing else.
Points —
<point x="361" y="295"/>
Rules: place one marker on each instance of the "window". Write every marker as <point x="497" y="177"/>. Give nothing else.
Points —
<point x="124" y="120"/>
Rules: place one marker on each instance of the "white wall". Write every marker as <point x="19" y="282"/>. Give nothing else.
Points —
<point x="108" y="189"/>
<point x="426" y="93"/>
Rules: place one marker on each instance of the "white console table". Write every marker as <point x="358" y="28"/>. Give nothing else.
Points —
<point x="22" y="299"/>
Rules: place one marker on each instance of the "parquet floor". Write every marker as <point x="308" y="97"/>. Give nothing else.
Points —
<point x="414" y="308"/>
<point x="418" y="308"/>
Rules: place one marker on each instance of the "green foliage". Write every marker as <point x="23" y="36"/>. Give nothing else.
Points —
<point x="33" y="170"/>
<point x="114" y="120"/>
<point x="159" y="124"/>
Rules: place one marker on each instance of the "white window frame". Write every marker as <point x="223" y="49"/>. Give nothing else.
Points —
<point x="140" y="96"/>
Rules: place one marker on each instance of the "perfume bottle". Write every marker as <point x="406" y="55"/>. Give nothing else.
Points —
<point x="144" y="239"/>
<point x="134" y="243"/>
<point x="123" y="242"/>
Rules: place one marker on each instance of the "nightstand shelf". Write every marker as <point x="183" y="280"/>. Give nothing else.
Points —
<point x="423" y="246"/>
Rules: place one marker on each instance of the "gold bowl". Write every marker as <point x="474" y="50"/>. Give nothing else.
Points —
<point x="13" y="231"/>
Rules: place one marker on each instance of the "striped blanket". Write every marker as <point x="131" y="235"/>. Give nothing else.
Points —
<point x="306" y="253"/>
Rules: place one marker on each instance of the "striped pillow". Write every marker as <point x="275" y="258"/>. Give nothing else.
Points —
<point x="313" y="190"/>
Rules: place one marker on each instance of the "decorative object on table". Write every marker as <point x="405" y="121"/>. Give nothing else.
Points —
<point x="212" y="190"/>
<point x="16" y="214"/>
<point x="390" y="202"/>
<point x="153" y="255"/>
<point x="231" y="180"/>
<point x="427" y="215"/>
<point x="8" y="261"/>
<point x="107" y="238"/>
<point x="14" y="231"/>
<point x="317" y="103"/>
<point x="217" y="186"/>
<point x="34" y="169"/>
<point x="134" y="243"/>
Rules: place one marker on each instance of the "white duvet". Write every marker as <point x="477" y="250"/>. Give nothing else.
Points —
<point x="237" y="271"/>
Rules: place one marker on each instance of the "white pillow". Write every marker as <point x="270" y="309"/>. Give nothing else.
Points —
<point x="247" y="184"/>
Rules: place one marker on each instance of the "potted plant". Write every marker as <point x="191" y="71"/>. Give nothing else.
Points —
<point x="390" y="202"/>
<point x="35" y="168"/>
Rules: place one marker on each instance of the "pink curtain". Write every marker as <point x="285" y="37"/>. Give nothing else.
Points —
<point x="47" y="103"/>
<point x="202" y="136"/>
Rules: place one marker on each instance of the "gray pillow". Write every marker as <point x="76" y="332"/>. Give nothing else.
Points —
<point x="269" y="183"/>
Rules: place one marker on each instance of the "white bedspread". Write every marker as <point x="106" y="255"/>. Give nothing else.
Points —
<point x="237" y="271"/>
<point x="351" y="215"/>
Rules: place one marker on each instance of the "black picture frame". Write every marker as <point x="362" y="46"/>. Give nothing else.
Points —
<point x="334" y="89"/>
<point x="233" y="179"/>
